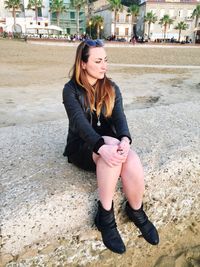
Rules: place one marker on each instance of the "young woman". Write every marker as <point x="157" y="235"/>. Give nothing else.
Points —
<point x="99" y="140"/>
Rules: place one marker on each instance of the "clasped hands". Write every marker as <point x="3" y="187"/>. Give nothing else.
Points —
<point x="115" y="155"/>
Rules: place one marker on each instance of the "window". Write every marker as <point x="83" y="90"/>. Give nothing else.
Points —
<point x="127" y="18"/>
<point x="117" y="30"/>
<point x="180" y="13"/>
<point x="39" y="12"/>
<point x="72" y="15"/>
<point x="117" y="18"/>
<point x="46" y="24"/>
<point x="126" y="31"/>
<point x="31" y="23"/>
<point x="38" y="23"/>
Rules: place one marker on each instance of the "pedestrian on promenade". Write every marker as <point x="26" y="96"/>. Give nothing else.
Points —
<point x="99" y="140"/>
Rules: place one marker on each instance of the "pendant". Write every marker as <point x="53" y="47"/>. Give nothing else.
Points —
<point x="98" y="123"/>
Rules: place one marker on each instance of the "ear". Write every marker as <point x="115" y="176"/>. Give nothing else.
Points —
<point x="83" y="65"/>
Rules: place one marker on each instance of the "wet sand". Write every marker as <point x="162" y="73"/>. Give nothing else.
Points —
<point x="31" y="81"/>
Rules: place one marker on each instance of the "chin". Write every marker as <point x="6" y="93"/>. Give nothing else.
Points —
<point x="102" y="76"/>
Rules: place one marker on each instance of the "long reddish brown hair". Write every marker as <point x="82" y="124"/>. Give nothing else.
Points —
<point x="102" y="92"/>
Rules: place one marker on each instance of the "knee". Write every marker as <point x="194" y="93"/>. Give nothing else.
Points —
<point x="133" y="159"/>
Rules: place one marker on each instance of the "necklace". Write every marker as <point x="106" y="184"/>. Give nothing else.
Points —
<point x="98" y="121"/>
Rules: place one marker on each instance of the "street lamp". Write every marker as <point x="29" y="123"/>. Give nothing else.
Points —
<point x="90" y="24"/>
<point x="101" y="31"/>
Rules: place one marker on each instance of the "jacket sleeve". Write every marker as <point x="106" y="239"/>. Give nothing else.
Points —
<point x="118" y="116"/>
<point x="78" y="122"/>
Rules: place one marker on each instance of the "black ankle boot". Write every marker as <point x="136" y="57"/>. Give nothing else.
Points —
<point x="141" y="220"/>
<point x="105" y="222"/>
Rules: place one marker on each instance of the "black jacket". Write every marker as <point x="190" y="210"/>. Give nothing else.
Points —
<point x="81" y="118"/>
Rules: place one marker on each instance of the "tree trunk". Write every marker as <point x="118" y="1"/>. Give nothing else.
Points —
<point x="149" y="26"/>
<point x="179" y="35"/>
<point x="77" y="21"/>
<point x="14" y="18"/>
<point x="115" y="22"/>
<point x="165" y="29"/>
<point x="132" y="33"/>
<point x="58" y="18"/>
<point x="196" y="24"/>
<point x="36" y="18"/>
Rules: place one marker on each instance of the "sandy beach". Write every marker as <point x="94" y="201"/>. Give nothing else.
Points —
<point x="48" y="205"/>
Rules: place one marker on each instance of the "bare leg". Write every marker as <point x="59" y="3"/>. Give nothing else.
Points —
<point x="133" y="180"/>
<point x="107" y="177"/>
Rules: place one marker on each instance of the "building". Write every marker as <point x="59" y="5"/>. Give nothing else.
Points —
<point x="26" y="21"/>
<point x="123" y="22"/>
<point x="178" y="10"/>
<point x="68" y="19"/>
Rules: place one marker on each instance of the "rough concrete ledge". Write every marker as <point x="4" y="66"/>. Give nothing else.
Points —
<point x="44" y="198"/>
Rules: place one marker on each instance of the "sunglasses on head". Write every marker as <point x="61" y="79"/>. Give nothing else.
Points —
<point x="94" y="43"/>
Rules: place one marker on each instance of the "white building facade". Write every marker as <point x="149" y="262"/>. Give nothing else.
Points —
<point x="178" y="10"/>
<point x="25" y="18"/>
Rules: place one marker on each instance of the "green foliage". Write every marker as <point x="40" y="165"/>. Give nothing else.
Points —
<point x="165" y="21"/>
<point x="181" y="26"/>
<point x="97" y="21"/>
<point x="150" y="18"/>
<point x="78" y="4"/>
<point x="10" y="4"/>
<point x="34" y="4"/>
<point x="196" y="14"/>
<point x="13" y="5"/>
<point x="115" y="5"/>
<point x="134" y="10"/>
<point x="58" y="7"/>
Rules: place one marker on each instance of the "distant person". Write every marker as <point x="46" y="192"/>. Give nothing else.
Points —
<point x="99" y="140"/>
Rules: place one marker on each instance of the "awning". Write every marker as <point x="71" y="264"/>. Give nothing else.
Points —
<point x="54" y="28"/>
<point x="48" y="28"/>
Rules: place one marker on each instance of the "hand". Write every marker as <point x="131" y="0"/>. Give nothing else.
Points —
<point x="124" y="147"/>
<point x="110" y="155"/>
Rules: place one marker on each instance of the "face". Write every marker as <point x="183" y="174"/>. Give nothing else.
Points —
<point x="96" y="66"/>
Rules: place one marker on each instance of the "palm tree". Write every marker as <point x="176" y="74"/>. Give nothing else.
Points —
<point x="97" y="21"/>
<point x="78" y="4"/>
<point x="134" y="11"/>
<point x="14" y="5"/>
<point x="58" y="7"/>
<point x="116" y="6"/>
<point x="181" y="26"/>
<point x="150" y="18"/>
<point x="35" y="5"/>
<point x="165" y="21"/>
<point x="196" y="15"/>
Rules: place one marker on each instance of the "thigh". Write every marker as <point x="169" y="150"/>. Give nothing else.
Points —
<point x="83" y="159"/>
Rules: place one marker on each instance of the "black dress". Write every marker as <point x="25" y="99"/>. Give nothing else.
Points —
<point x="82" y="158"/>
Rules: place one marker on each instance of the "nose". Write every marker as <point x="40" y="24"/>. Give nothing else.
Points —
<point x="104" y="65"/>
